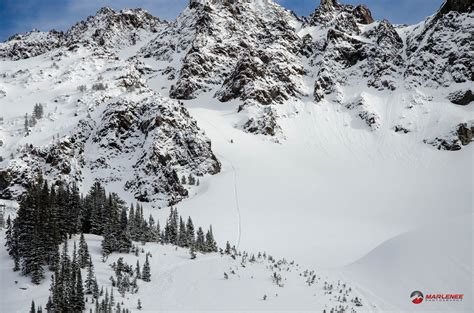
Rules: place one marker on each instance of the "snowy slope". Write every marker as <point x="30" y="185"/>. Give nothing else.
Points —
<point x="179" y="284"/>
<point x="433" y="259"/>
<point x="342" y="159"/>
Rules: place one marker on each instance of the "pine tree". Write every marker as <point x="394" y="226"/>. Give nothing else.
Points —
<point x="73" y="210"/>
<point x="190" y="232"/>
<point x="137" y="270"/>
<point x="131" y="222"/>
<point x="171" y="229"/>
<point x="79" y="299"/>
<point x="146" y="272"/>
<point x="38" y="111"/>
<point x="90" y="282"/>
<point x="27" y="124"/>
<point x="211" y="245"/>
<point x="11" y="244"/>
<point x="200" y="242"/>
<point x="36" y="257"/>
<point x="83" y="252"/>
<point x="125" y="240"/>
<point x="182" y="234"/>
<point x="139" y="305"/>
<point x="55" y="260"/>
<point x="32" y="309"/>
<point x="190" y="179"/>
<point x="94" y="210"/>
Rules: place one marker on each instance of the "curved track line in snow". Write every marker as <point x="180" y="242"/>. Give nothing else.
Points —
<point x="237" y="206"/>
<point x="234" y="174"/>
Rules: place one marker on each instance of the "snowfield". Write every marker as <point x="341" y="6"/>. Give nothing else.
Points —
<point x="179" y="284"/>
<point x="349" y="186"/>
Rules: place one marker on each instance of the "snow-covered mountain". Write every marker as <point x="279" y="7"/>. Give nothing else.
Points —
<point x="312" y="137"/>
<point x="254" y="52"/>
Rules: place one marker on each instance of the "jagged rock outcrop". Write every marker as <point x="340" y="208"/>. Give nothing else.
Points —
<point x="328" y="10"/>
<point x="460" y="136"/>
<point x="31" y="44"/>
<point x="461" y="97"/>
<point x="255" y="53"/>
<point x="232" y="49"/>
<point x="440" y="51"/>
<point x="107" y="28"/>
<point x="128" y="135"/>
<point x="114" y="29"/>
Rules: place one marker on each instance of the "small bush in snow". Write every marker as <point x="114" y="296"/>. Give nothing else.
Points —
<point x="99" y="86"/>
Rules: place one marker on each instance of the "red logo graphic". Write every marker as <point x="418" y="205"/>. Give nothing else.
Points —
<point x="416" y="297"/>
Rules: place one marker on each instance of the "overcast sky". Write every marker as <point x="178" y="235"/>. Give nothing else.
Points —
<point x="23" y="15"/>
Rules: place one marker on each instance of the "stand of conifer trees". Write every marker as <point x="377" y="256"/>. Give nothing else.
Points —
<point x="49" y="215"/>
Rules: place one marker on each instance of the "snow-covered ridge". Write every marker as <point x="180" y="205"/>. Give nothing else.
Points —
<point x="100" y="122"/>
<point x="255" y="54"/>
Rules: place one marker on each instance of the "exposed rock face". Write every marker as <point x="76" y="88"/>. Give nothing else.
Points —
<point x="439" y="53"/>
<point x="107" y="28"/>
<point x="329" y="9"/>
<point x="31" y="44"/>
<point x="461" y="97"/>
<point x="462" y="135"/>
<point x="128" y="135"/>
<point x="111" y="29"/>
<point x="461" y="6"/>
<point x="236" y="51"/>
<point x="363" y="14"/>
<point x="160" y="139"/>
<point x="255" y="53"/>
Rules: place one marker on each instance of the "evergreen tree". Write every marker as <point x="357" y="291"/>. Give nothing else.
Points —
<point x="200" y="242"/>
<point x="79" y="304"/>
<point x="227" y="248"/>
<point x="11" y="244"/>
<point x="125" y="240"/>
<point x="172" y="227"/>
<point x="36" y="256"/>
<point x="26" y="124"/>
<point x="182" y="234"/>
<point x="192" y="252"/>
<point x="83" y="252"/>
<point x="190" y="231"/>
<point x="74" y="208"/>
<point x="90" y="282"/>
<point x="137" y="270"/>
<point x="211" y="245"/>
<point x="33" y="308"/>
<point x="93" y="211"/>
<point x="38" y="111"/>
<point x="191" y="179"/>
<point x="146" y="273"/>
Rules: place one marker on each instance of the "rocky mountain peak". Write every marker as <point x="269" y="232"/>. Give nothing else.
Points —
<point x="105" y="11"/>
<point x="363" y="14"/>
<point x="330" y="9"/>
<point x="111" y="29"/>
<point x="461" y="6"/>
